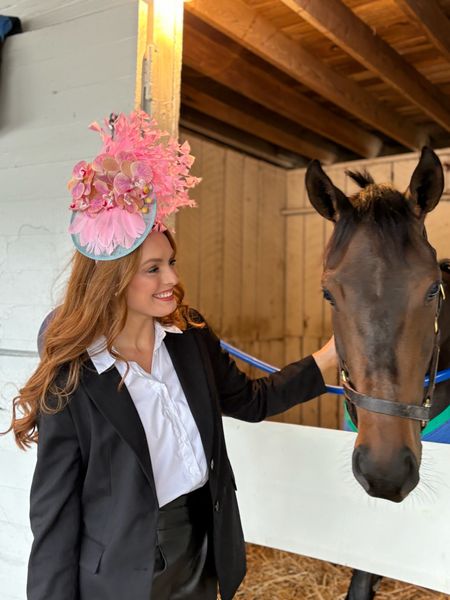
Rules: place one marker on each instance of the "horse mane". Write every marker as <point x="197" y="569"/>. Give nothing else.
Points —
<point x="379" y="206"/>
<point x="362" y="178"/>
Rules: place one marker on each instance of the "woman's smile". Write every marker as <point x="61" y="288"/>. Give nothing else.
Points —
<point x="165" y="296"/>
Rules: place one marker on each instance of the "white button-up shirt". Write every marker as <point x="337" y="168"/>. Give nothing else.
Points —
<point x="176" y="451"/>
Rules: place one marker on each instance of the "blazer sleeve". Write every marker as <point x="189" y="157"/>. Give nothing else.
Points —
<point x="55" y="510"/>
<point x="256" y="399"/>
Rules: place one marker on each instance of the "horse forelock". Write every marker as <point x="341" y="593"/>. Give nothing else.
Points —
<point x="380" y="197"/>
<point x="384" y="211"/>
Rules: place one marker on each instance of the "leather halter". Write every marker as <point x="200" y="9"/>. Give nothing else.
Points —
<point x="421" y="413"/>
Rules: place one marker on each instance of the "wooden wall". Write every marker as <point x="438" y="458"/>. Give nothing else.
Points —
<point x="251" y="257"/>
<point x="231" y="249"/>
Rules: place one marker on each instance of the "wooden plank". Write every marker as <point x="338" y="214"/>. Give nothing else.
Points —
<point x="188" y="232"/>
<point x="438" y="225"/>
<point x="402" y="172"/>
<point x="240" y="119"/>
<point x="38" y="14"/>
<point x="161" y="94"/>
<point x="294" y="282"/>
<point x="340" y="24"/>
<point x="217" y="131"/>
<point x="245" y="25"/>
<point x="250" y="232"/>
<point x="292" y="352"/>
<point x="209" y="56"/>
<point x="64" y="90"/>
<point x="270" y="259"/>
<point x="432" y="21"/>
<point x="338" y="177"/>
<point x="232" y="244"/>
<point x="211" y="234"/>
<point x="310" y="409"/>
<point x="313" y="255"/>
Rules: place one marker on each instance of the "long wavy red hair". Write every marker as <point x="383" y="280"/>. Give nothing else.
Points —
<point x="94" y="304"/>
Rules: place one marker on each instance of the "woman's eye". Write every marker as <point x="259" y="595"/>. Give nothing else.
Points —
<point x="434" y="290"/>
<point x="173" y="262"/>
<point x="327" y="295"/>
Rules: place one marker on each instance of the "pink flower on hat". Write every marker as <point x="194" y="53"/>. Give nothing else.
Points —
<point x="80" y="185"/>
<point x="132" y="185"/>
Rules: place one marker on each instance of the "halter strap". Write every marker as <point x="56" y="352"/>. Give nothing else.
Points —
<point x="386" y="407"/>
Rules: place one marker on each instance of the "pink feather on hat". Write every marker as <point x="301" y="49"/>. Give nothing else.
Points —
<point x="112" y="195"/>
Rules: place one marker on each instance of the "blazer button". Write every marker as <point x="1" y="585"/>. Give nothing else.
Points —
<point x="217" y="506"/>
<point x="212" y="464"/>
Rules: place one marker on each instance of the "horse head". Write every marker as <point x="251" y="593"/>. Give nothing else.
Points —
<point x="383" y="281"/>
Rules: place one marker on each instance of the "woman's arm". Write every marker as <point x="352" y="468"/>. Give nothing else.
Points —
<point x="55" y="511"/>
<point x="254" y="400"/>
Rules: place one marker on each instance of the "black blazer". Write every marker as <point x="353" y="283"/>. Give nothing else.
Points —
<point x="93" y="505"/>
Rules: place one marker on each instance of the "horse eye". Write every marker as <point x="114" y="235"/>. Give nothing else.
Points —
<point x="327" y="295"/>
<point x="433" y="291"/>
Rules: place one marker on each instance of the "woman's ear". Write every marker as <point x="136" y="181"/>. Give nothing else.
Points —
<point x="427" y="182"/>
<point x="325" y="197"/>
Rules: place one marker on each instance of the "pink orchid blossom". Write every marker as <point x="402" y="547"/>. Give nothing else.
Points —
<point x="137" y="163"/>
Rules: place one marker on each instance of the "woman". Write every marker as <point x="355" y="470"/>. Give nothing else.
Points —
<point x="133" y="495"/>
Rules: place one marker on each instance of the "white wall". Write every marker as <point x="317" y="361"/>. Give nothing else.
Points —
<point x="75" y="63"/>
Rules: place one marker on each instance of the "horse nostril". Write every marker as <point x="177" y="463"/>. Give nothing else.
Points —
<point x="411" y="473"/>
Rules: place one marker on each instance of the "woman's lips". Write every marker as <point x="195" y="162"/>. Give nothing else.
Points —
<point x="164" y="296"/>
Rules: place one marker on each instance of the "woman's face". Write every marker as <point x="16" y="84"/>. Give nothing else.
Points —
<point x="150" y="292"/>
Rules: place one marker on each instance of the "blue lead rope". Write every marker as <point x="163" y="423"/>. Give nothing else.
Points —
<point x="331" y="389"/>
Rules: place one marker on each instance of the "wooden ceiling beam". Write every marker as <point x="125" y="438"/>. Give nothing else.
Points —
<point x="217" y="131"/>
<point x="258" y="34"/>
<point x="216" y="61"/>
<point x="430" y="17"/>
<point x="341" y="25"/>
<point x="222" y="111"/>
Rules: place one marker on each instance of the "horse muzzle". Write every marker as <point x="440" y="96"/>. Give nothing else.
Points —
<point x="391" y="480"/>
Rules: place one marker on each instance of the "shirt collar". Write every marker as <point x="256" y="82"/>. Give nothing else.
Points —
<point x="103" y="359"/>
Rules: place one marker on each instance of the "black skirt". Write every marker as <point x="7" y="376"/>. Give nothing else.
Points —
<point x="184" y="561"/>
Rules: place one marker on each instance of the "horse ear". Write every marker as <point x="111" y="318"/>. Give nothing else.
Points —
<point x="427" y="181"/>
<point x="325" y="197"/>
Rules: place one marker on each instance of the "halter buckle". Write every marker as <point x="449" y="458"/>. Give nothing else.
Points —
<point x="441" y="287"/>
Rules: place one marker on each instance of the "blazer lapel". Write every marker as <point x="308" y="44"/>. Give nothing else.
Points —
<point x="187" y="361"/>
<point x="119" y="409"/>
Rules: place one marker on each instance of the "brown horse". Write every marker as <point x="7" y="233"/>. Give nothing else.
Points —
<point x="382" y="278"/>
<point x="383" y="281"/>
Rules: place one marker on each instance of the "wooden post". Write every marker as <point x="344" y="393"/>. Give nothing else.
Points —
<point x="159" y="60"/>
<point x="160" y="43"/>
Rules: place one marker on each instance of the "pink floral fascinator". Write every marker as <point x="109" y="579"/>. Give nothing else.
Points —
<point x="129" y="189"/>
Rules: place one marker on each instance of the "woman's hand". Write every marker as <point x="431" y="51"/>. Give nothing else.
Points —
<point x="326" y="357"/>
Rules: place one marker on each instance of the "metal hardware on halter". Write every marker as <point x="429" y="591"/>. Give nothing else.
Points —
<point x="421" y="413"/>
<point x="112" y="123"/>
